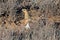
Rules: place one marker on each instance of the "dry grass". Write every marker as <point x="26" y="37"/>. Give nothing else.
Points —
<point x="43" y="17"/>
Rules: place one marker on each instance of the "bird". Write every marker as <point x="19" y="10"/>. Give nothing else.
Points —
<point x="26" y="19"/>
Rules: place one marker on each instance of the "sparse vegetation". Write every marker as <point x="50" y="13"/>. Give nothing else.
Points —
<point x="44" y="19"/>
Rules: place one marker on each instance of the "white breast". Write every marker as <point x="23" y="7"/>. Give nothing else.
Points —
<point x="27" y="26"/>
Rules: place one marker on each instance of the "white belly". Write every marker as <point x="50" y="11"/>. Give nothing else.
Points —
<point x="27" y="26"/>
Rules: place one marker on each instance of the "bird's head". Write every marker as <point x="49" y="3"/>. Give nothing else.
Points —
<point x="24" y="10"/>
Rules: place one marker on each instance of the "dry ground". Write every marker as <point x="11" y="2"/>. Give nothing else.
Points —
<point x="44" y="21"/>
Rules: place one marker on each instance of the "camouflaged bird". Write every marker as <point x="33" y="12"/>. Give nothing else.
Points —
<point x="26" y="19"/>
